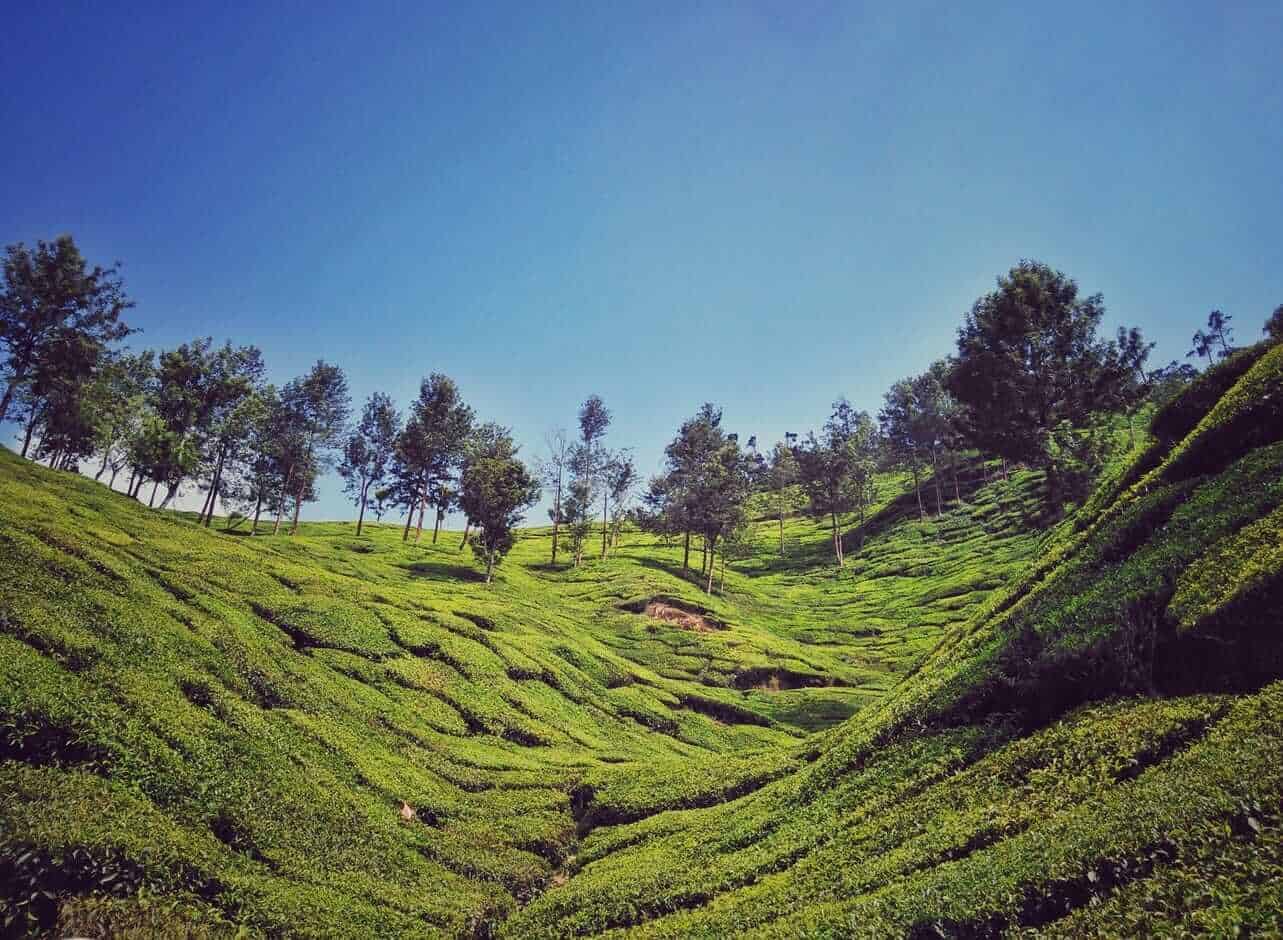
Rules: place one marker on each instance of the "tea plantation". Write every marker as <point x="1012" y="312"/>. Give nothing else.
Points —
<point x="986" y="724"/>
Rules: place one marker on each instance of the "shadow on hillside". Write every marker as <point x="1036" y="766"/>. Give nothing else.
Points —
<point x="690" y="575"/>
<point x="441" y="571"/>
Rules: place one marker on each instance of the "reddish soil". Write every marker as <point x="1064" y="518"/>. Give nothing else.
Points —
<point x="678" y="617"/>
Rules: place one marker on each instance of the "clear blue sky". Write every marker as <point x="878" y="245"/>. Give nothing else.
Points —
<point x="761" y="205"/>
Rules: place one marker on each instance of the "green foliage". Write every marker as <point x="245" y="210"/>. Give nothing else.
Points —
<point x="202" y="734"/>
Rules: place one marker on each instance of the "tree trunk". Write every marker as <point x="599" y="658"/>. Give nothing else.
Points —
<point x="423" y="508"/>
<point x="298" y="506"/>
<point x="711" y="566"/>
<point x="703" y="558"/>
<point x="605" y="505"/>
<point x="111" y="482"/>
<point x="722" y="589"/>
<point x="1003" y="464"/>
<point x="686" y="557"/>
<point x="8" y="396"/>
<point x="360" y="517"/>
<point x="409" y="520"/>
<point x="467" y="526"/>
<point x="917" y="488"/>
<point x="169" y="495"/>
<point x="213" y="492"/>
<point x="258" y="507"/>
<point x="280" y="503"/>
<point x="26" y="440"/>
<point x="152" y="502"/>
<point x="489" y="566"/>
<point x="204" y="507"/>
<point x="556" y="516"/>
<point x="953" y="465"/>
<point x="837" y="539"/>
<point x="935" y="478"/>
<point x="436" y="529"/>
<point x="103" y="468"/>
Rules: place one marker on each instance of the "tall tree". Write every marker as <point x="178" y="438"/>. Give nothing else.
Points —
<point x="781" y="476"/>
<point x="430" y="449"/>
<point x="495" y="490"/>
<point x="686" y="456"/>
<point x="594" y="459"/>
<point x="1274" y="325"/>
<point x="1220" y="331"/>
<point x="1028" y="358"/>
<point x="229" y="413"/>
<point x="552" y="472"/>
<point x="317" y="407"/>
<point x="121" y="388"/>
<point x="621" y="480"/>
<point x="1202" y="344"/>
<point x="48" y="295"/>
<point x="836" y="469"/>
<point x="61" y="400"/>
<point x="367" y="455"/>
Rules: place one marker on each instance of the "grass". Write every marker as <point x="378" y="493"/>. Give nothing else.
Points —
<point x="985" y="723"/>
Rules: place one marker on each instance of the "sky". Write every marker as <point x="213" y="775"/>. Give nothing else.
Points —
<point x="762" y="205"/>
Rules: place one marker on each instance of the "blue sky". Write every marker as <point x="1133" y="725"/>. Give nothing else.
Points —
<point x="761" y="205"/>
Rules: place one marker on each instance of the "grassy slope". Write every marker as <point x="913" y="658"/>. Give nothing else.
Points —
<point x="231" y="722"/>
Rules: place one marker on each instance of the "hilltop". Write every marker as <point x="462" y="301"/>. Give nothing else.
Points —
<point x="985" y="723"/>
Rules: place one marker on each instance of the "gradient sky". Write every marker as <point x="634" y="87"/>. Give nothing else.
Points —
<point x="761" y="205"/>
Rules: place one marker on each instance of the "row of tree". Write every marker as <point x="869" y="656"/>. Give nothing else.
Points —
<point x="1033" y="383"/>
<point x="203" y="414"/>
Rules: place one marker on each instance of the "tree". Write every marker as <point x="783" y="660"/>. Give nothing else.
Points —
<point x="1204" y="344"/>
<point x="552" y="473"/>
<point x="1126" y="383"/>
<point x="715" y="499"/>
<point x="50" y="295"/>
<point x="1274" y="325"/>
<point x="1219" y="330"/>
<point x="781" y="475"/>
<point x="430" y="450"/>
<point x="230" y="411"/>
<point x="316" y="407"/>
<point x="121" y="388"/>
<point x="368" y="453"/>
<point x="836" y="468"/>
<point x="621" y="479"/>
<point x="594" y="459"/>
<point x="495" y="490"/>
<point x="703" y="490"/>
<point x="899" y="422"/>
<point x="60" y="398"/>
<point x="577" y="515"/>
<point x="686" y="456"/>
<point x="1029" y="358"/>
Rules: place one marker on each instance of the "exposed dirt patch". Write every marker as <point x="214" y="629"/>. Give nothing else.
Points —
<point x="685" y="619"/>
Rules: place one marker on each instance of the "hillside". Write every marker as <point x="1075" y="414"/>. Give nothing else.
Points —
<point x="982" y="725"/>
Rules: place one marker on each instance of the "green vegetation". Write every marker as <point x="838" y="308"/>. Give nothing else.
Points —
<point x="1021" y="705"/>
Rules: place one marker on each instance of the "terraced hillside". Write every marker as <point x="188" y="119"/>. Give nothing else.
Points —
<point x="981" y="726"/>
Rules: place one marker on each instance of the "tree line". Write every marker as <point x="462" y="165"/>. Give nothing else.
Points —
<point x="203" y="414"/>
<point x="1033" y="383"/>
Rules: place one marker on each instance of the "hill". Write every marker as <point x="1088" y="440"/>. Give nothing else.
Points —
<point x="983" y="725"/>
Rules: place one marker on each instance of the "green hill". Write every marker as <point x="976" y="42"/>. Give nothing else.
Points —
<point x="983" y="725"/>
